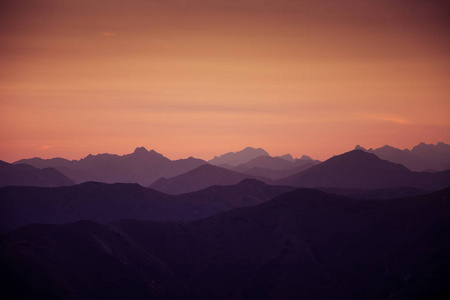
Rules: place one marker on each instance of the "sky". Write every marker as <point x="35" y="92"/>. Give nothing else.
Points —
<point x="201" y="78"/>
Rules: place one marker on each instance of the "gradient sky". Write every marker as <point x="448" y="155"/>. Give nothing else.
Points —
<point x="203" y="78"/>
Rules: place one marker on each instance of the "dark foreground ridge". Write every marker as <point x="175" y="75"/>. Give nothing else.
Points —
<point x="101" y="202"/>
<point x="304" y="244"/>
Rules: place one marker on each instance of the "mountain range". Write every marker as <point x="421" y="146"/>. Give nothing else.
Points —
<point x="303" y="244"/>
<point x="145" y="167"/>
<point x="358" y="169"/>
<point x="423" y="157"/>
<point x="141" y="166"/>
<point x="243" y="226"/>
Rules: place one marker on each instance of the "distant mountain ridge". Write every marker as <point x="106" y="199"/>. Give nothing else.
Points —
<point x="26" y="175"/>
<point x="257" y="157"/>
<point x="358" y="169"/>
<point x="239" y="157"/>
<point x="145" y="167"/>
<point x="141" y="166"/>
<point x="422" y="157"/>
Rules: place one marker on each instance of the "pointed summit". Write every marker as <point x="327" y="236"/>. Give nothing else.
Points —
<point x="305" y="157"/>
<point x="140" y="150"/>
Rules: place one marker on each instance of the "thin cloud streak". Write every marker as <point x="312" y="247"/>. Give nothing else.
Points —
<point x="385" y="117"/>
<point x="109" y="33"/>
<point x="46" y="147"/>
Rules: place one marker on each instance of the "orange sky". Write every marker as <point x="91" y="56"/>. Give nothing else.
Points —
<point x="205" y="77"/>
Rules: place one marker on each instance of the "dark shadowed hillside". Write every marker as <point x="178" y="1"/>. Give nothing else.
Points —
<point x="201" y="178"/>
<point x="101" y="202"/>
<point x="301" y="245"/>
<point x="361" y="170"/>
<point x="141" y="166"/>
<point x="383" y="193"/>
<point x="25" y="175"/>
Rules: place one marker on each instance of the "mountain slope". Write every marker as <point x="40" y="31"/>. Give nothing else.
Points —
<point x="200" y="178"/>
<point x="25" y="175"/>
<point x="267" y="162"/>
<point x="239" y="157"/>
<point x="278" y="174"/>
<point x="361" y="170"/>
<point x="301" y="245"/>
<point x="141" y="166"/>
<point x="101" y="202"/>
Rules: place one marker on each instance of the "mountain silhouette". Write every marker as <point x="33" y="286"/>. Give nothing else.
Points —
<point x="361" y="170"/>
<point x="236" y="158"/>
<point x="25" y="175"/>
<point x="20" y="206"/>
<point x="423" y="157"/>
<point x="200" y="178"/>
<point x="141" y="166"/>
<point x="304" y="244"/>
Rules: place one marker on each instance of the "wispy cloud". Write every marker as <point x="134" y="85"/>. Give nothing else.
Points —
<point x="46" y="147"/>
<point x="53" y="144"/>
<point x="394" y="118"/>
<point x="108" y="33"/>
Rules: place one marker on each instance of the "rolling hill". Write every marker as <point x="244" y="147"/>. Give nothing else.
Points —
<point x="201" y="178"/>
<point x="25" y="175"/>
